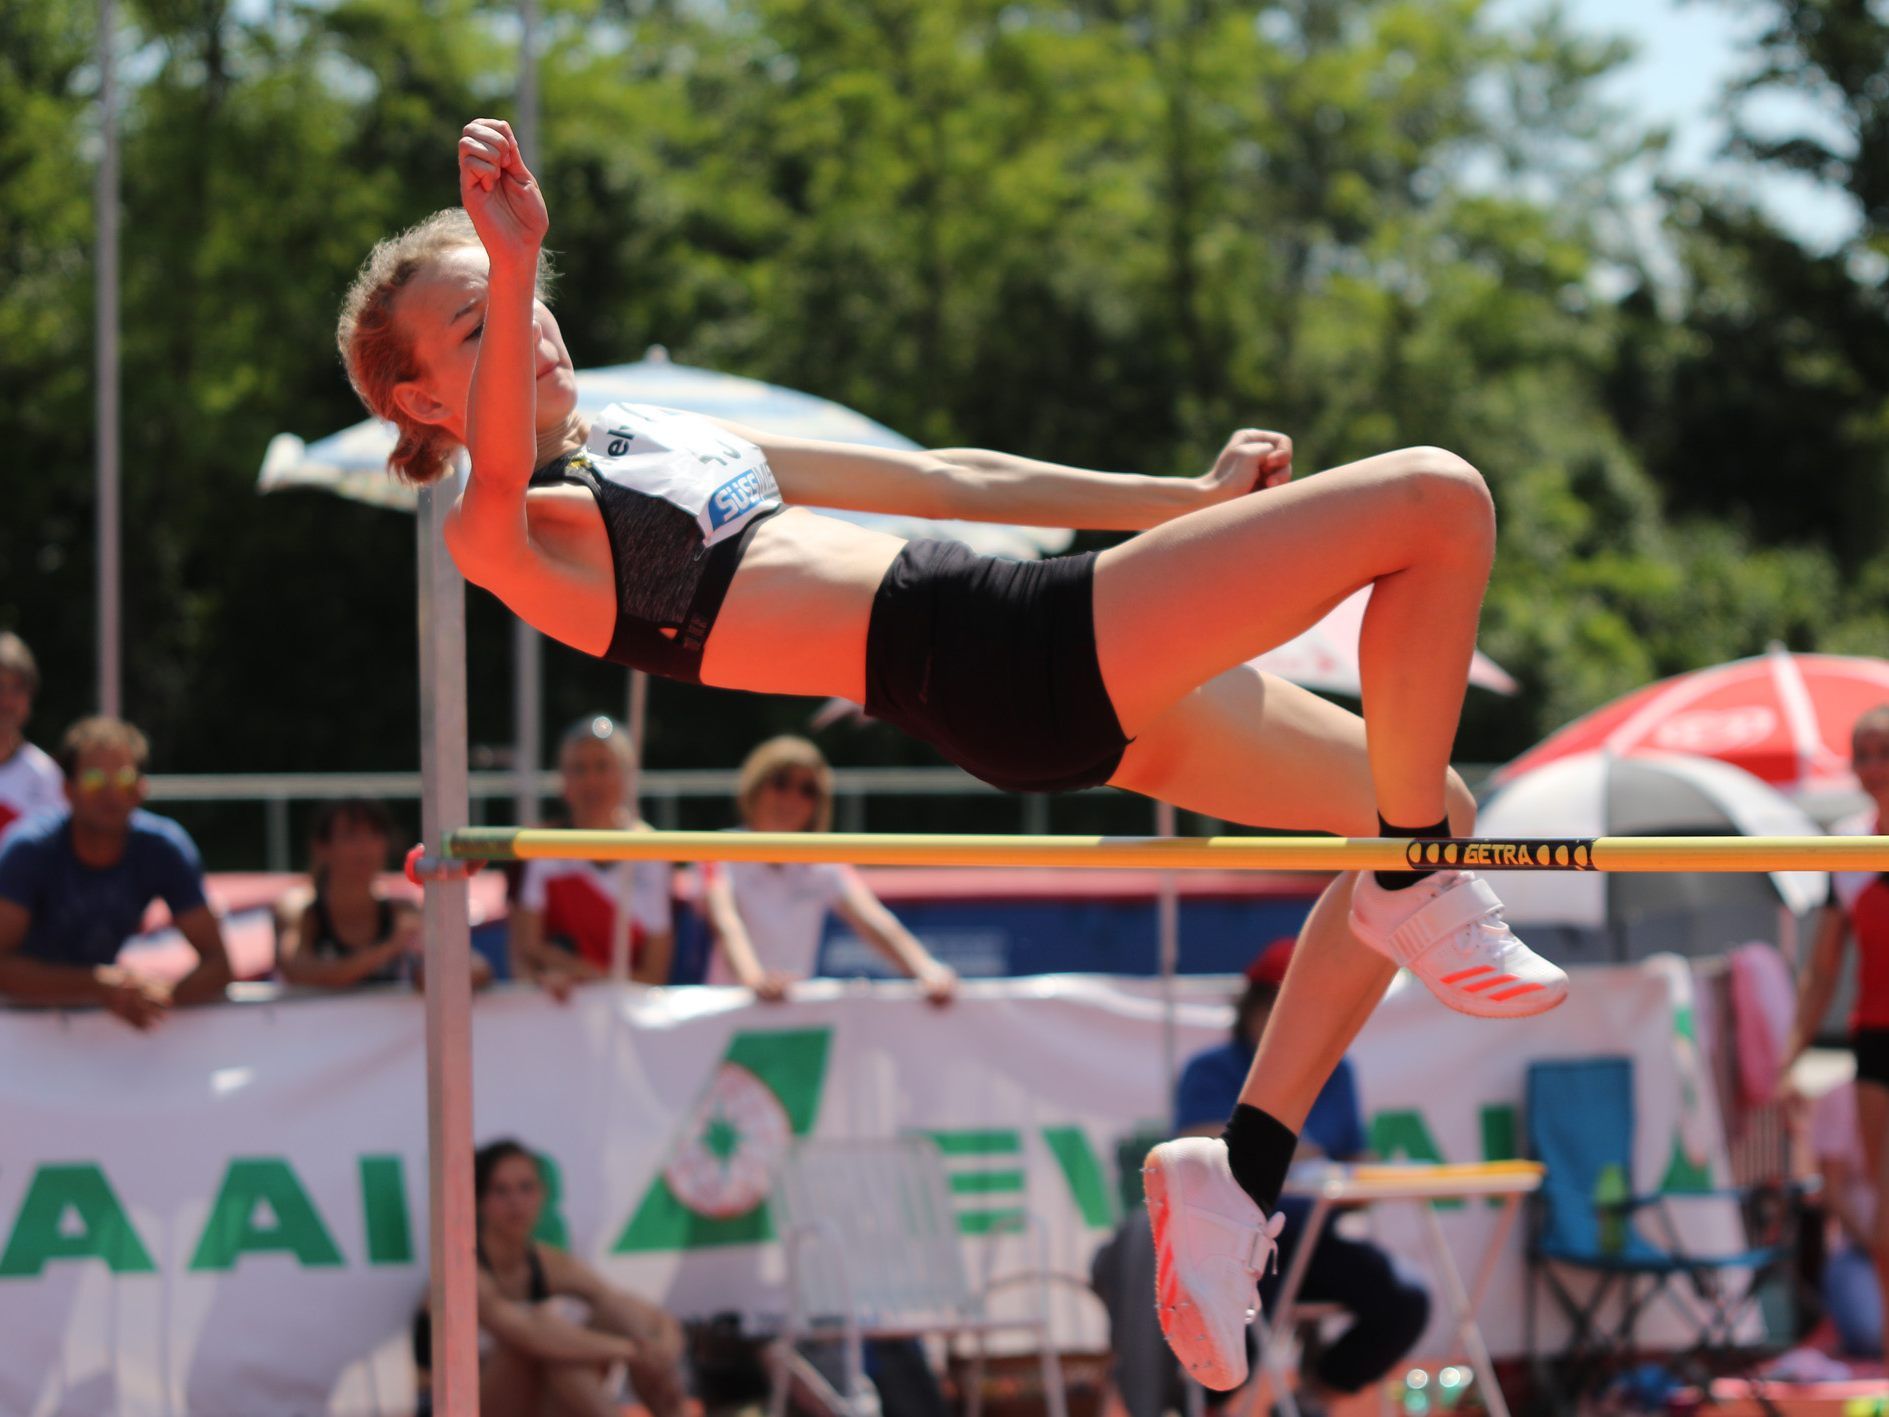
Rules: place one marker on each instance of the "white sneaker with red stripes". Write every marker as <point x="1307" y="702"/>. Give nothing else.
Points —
<point x="1448" y="930"/>
<point x="1211" y="1245"/>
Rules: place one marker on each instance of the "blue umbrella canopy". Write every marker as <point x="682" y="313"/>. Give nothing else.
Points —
<point x="353" y="462"/>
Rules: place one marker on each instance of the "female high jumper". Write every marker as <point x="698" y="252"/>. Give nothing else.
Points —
<point x="685" y="546"/>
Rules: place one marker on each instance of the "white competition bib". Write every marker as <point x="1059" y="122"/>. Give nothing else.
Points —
<point x="721" y="480"/>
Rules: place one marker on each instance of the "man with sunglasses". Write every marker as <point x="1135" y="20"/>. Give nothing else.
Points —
<point x="74" y="886"/>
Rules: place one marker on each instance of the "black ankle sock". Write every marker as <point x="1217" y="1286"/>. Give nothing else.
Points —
<point x="1399" y="880"/>
<point x="1259" y="1149"/>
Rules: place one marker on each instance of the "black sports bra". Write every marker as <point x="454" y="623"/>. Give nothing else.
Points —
<point x="680" y="498"/>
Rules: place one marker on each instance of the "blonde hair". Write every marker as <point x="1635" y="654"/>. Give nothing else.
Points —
<point x="16" y="658"/>
<point x="770" y="759"/>
<point x="378" y="353"/>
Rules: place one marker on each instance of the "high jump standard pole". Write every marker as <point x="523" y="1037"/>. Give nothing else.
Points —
<point x="446" y="927"/>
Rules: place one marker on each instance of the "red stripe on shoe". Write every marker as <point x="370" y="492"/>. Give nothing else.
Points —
<point x="1489" y="984"/>
<point x="1514" y="993"/>
<point x="1467" y="973"/>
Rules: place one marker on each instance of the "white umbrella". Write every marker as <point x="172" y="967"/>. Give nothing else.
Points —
<point x="1326" y="656"/>
<point x="1666" y="794"/>
<point x="353" y="462"/>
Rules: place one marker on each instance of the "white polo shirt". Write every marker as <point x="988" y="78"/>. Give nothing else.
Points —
<point x="784" y="909"/>
<point x="30" y="782"/>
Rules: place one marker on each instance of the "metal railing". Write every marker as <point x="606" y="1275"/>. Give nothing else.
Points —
<point x="665" y="795"/>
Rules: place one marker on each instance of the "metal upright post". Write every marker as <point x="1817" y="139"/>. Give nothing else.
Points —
<point x="527" y="647"/>
<point x="638" y="724"/>
<point x="108" y="577"/>
<point x="637" y="711"/>
<point x="527" y="720"/>
<point x="448" y="936"/>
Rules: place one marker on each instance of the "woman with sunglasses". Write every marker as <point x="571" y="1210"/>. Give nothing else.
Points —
<point x="768" y="918"/>
<point x="690" y="547"/>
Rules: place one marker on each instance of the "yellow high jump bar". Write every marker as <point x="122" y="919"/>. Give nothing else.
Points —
<point x="1172" y="853"/>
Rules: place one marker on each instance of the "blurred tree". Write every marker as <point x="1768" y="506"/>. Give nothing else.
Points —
<point x="46" y="154"/>
<point x="1101" y="232"/>
<point x="1764" y="398"/>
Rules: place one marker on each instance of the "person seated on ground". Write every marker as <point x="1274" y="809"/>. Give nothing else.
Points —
<point x="533" y="1359"/>
<point x="30" y="781"/>
<point x="566" y="915"/>
<point x="1389" y="1308"/>
<point x="74" y="886"/>
<point x="1851" y="1294"/>
<point x="342" y="929"/>
<point x="767" y="918"/>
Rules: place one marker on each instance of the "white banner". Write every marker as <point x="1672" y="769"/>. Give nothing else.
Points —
<point x="226" y="1219"/>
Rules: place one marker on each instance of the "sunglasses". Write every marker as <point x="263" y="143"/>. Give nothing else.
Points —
<point x="98" y="779"/>
<point x="801" y="786"/>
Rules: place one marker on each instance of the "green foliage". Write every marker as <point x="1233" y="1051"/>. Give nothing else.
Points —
<point x="1081" y="229"/>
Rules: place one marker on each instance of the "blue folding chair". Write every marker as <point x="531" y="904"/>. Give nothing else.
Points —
<point x="1580" y="1125"/>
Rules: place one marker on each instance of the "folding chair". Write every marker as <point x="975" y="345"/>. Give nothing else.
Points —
<point x="873" y="1251"/>
<point x="1580" y="1125"/>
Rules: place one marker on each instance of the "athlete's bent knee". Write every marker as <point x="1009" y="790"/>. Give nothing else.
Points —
<point x="1446" y="491"/>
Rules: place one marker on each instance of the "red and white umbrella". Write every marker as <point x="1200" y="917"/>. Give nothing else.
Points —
<point x="1782" y="717"/>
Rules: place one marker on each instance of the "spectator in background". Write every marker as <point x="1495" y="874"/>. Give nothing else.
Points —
<point x="74" y="886"/>
<point x="767" y="918"/>
<point x="1858" y="908"/>
<point x="30" y="781"/>
<point x="343" y="929"/>
<point x="1851" y="1294"/>
<point x="1389" y="1308"/>
<point x="539" y="1361"/>
<point x="566" y="916"/>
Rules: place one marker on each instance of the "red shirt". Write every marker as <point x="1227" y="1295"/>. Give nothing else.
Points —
<point x="578" y="900"/>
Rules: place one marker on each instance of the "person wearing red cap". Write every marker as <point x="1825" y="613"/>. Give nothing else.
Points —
<point x="1389" y="1307"/>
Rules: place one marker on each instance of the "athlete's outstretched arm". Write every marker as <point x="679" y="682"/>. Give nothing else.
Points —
<point x="973" y="484"/>
<point x="508" y="212"/>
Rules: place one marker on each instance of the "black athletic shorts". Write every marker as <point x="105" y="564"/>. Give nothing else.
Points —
<point x="993" y="663"/>
<point x="1871" y="1046"/>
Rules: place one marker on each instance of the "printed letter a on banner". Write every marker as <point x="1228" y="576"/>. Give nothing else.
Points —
<point x="235" y="1229"/>
<point x="41" y="1232"/>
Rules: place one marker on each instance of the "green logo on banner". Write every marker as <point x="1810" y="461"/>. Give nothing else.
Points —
<point x="713" y="1188"/>
<point x="985" y="1163"/>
